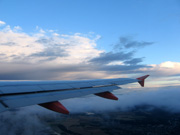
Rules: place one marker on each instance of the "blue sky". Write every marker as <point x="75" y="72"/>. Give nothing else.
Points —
<point x="155" y="21"/>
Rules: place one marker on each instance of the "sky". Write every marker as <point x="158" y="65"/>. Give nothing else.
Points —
<point x="89" y="39"/>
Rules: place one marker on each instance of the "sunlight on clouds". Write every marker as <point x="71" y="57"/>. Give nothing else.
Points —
<point x="81" y="48"/>
<point x="164" y="69"/>
<point x="164" y="74"/>
<point x="116" y="63"/>
<point x="170" y="64"/>
<point x="167" y="68"/>
<point x="15" y="44"/>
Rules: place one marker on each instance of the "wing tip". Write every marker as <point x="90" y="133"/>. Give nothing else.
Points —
<point x="141" y="80"/>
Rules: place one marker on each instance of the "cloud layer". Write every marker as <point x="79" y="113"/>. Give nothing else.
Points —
<point x="47" y="55"/>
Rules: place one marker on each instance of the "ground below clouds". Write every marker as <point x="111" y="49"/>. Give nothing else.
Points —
<point x="141" y="120"/>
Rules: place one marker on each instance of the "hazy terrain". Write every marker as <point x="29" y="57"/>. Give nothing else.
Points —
<point x="142" y="120"/>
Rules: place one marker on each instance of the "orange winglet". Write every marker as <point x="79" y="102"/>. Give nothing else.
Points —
<point x="141" y="80"/>
<point x="107" y="95"/>
<point x="55" y="106"/>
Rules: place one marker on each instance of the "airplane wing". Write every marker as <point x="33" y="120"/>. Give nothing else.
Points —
<point x="14" y="94"/>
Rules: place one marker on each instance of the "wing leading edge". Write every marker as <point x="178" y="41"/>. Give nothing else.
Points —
<point x="16" y="94"/>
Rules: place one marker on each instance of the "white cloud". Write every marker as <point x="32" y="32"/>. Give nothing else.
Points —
<point x="22" y="45"/>
<point x="46" y="51"/>
<point x="17" y="44"/>
<point x="55" y="34"/>
<point x="17" y="28"/>
<point x="164" y="74"/>
<point x="2" y="23"/>
<point x="167" y="68"/>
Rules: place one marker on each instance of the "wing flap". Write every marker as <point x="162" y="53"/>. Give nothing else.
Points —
<point x="55" y="106"/>
<point x="107" y="95"/>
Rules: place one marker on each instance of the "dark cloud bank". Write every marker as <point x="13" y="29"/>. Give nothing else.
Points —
<point x="124" y="51"/>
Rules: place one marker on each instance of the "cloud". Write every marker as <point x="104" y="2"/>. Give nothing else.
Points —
<point x="23" y="46"/>
<point x="53" y="51"/>
<point x="43" y="55"/>
<point x="108" y="57"/>
<point x="164" y="74"/>
<point x="123" y="69"/>
<point x="25" y="121"/>
<point x="2" y="23"/>
<point x="134" y="61"/>
<point x="122" y="60"/>
<point x="17" y="28"/>
<point x="47" y="55"/>
<point x="168" y="68"/>
<point x="166" y="98"/>
<point x="128" y="42"/>
<point x="119" y="62"/>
